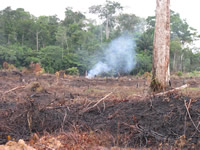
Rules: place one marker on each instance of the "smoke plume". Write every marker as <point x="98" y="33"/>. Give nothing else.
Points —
<point x="119" y="57"/>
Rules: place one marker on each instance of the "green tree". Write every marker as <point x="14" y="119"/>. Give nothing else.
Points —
<point x="7" y="25"/>
<point x="181" y="35"/>
<point x="145" y="41"/>
<point x="41" y="31"/>
<point x="106" y="12"/>
<point x="7" y="54"/>
<point x="73" y="17"/>
<point x="144" y="63"/>
<point x="61" y="38"/>
<point x="181" y="30"/>
<point x="53" y="24"/>
<point x="22" y="23"/>
<point x="74" y="24"/>
<point x="128" y="22"/>
<point x="175" y="49"/>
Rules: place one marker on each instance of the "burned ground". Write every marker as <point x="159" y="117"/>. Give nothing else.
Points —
<point x="82" y="113"/>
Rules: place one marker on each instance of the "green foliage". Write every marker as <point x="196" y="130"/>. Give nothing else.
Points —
<point x="51" y="58"/>
<point x="17" y="55"/>
<point x="72" y="17"/>
<point x="194" y="74"/>
<point x="128" y="22"/>
<point x="61" y="37"/>
<point x="54" y="58"/>
<point x="106" y="12"/>
<point x="180" y="29"/>
<point x="145" y="41"/>
<point x="179" y="74"/>
<point x="78" y="41"/>
<point x="144" y="63"/>
<point x="181" y="56"/>
<point x="72" y="71"/>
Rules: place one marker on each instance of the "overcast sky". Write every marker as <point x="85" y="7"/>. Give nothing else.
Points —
<point x="188" y="9"/>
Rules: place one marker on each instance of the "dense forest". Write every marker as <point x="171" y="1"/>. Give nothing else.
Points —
<point x="76" y="43"/>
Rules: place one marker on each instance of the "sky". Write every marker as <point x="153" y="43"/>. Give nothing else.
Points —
<point x="188" y="9"/>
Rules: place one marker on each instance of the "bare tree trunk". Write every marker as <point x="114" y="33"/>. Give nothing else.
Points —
<point x="107" y="29"/>
<point x="101" y="34"/>
<point x="37" y="43"/>
<point x="191" y="64"/>
<point x="174" y="62"/>
<point x="23" y="39"/>
<point x="160" y="70"/>
<point x="62" y="49"/>
<point x="8" y="41"/>
<point x="181" y="68"/>
<point x="67" y="43"/>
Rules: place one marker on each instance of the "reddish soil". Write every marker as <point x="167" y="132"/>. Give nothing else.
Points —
<point x="102" y="112"/>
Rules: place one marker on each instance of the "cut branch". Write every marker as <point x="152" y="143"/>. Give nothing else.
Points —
<point x="88" y="108"/>
<point x="187" y="108"/>
<point x="149" y="132"/>
<point x="16" y="88"/>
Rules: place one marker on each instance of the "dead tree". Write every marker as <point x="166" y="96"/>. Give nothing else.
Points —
<point x="160" y="69"/>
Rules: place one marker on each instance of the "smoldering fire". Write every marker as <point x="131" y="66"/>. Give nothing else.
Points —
<point x="119" y="57"/>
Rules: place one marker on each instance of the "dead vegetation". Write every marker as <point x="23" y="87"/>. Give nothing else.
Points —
<point x="52" y="112"/>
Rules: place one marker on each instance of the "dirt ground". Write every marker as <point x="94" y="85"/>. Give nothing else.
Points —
<point x="100" y="113"/>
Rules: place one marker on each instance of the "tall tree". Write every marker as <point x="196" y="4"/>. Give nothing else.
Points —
<point x="106" y="12"/>
<point x="61" y="38"/>
<point x="75" y="25"/>
<point x="128" y="22"/>
<point x="160" y="70"/>
<point x="175" y="49"/>
<point x="8" y="25"/>
<point x="22" y="23"/>
<point x="181" y="35"/>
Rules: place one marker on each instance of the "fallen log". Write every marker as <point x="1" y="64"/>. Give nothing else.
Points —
<point x="161" y="93"/>
<point x="170" y="91"/>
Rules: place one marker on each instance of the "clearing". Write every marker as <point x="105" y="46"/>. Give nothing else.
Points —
<point x="99" y="113"/>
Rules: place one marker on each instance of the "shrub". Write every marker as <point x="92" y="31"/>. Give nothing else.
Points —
<point x="196" y="73"/>
<point x="147" y="74"/>
<point x="179" y="74"/>
<point x="72" y="71"/>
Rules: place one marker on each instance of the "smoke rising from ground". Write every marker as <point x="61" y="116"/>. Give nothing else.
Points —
<point x="118" y="57"/>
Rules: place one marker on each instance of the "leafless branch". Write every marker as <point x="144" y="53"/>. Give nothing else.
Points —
<point x="88" y="108"/>
<point x="13" y="89"/>
<point x="187" y="108"/>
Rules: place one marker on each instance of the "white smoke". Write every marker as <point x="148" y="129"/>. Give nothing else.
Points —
<point x="118" y="57"/>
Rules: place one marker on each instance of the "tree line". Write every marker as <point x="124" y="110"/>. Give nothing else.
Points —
<point x="76" y="42"/>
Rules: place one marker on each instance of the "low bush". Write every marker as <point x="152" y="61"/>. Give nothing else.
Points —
<point x="72" y="71"/>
